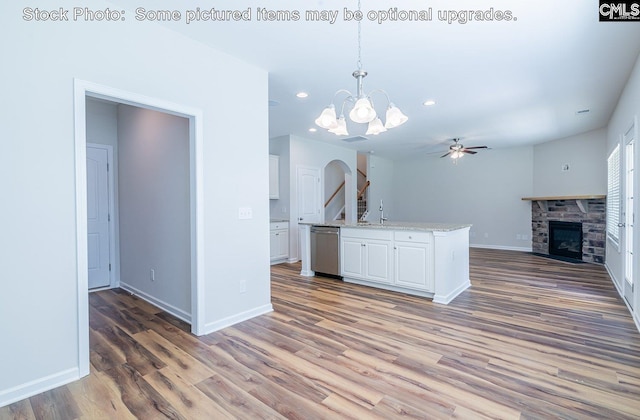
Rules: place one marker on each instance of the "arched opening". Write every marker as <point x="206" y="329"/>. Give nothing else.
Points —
<point x="339" y="193"/>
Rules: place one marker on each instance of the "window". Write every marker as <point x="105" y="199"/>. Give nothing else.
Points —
<point x="613" y="196"/>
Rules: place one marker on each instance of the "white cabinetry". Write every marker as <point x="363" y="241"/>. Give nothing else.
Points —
<point x="279" y="241"/>
<point x="274" y="177"/>
<point x="367" y="255"/>
<point x="413" y="260"/>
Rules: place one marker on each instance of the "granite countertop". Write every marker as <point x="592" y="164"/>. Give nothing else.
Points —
<point x="427" y="227"/>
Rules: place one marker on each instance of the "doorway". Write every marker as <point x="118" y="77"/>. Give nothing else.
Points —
<point x="82" y="90"/>
<point x="628" y="211"/>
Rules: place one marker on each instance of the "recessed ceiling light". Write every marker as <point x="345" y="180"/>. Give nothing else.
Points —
<point x="302" y="94"/>
<point x="313" y="130"/>
<point x="429" y="102"/>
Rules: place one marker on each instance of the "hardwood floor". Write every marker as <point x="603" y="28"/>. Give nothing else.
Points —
<point x="532" y="338"/>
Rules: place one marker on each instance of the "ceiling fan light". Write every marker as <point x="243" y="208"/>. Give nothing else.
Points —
<point x="341" y="127"/>
<point x="362" y="111"/>
<point x="375" y="127"/>
<point x="327" y="118"/>
<point x="456" y="154"/>
<point x="395" y="117"/>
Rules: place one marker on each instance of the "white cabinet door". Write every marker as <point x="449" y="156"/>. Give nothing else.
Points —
<point x="279" y="244"/>
<point x="273" y="245"/>
<point x="414" y="265"/>
<point x="352" y="258"/>
<point x="274" y="177"/>
<point x="378" y="261"/>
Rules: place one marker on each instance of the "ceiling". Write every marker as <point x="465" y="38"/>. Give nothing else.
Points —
<point x="496" y="83"/>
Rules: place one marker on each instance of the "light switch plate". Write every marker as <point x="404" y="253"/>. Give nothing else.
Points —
<point x="245" y="213"/>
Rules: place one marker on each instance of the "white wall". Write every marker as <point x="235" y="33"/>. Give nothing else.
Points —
<point x="627" y="111"/>
<point x="583" y="154"/>
<point x="39" y="299"/>
<point x="154" y="207"/>
<point x="484" y="190"/>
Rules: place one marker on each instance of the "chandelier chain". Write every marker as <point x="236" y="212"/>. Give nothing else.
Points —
<point x="359" y="41"/>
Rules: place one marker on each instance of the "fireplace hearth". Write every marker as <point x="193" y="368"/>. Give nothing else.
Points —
<point x="565" y="239"/>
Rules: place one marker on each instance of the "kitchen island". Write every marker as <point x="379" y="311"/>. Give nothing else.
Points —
<point x="424" y="259"/>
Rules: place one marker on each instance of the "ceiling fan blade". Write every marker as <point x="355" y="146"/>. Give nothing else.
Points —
<point x="471" y="152"/>
<point x="477" y="147"/>
<point x="446" y="154"/>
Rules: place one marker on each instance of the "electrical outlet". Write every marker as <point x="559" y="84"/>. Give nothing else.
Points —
<point x="243" y="286"/>
<point x="245" y="213"/>
<point x="525" y="237"/>
<point x="486" y="234"/>
<point x="518" y="236"/>
<point x="152" y="275"/>
<point x="565" y="167"/>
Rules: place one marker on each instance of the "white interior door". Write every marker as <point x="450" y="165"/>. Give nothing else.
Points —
<point x="309" y="200"/>
<point x="629" y="217"/>
<point x="98" y="238"/>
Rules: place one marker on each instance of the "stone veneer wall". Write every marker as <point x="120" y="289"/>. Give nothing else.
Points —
<point x="593" y="226"/>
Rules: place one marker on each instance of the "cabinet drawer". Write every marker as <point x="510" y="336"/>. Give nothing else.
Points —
<point x="380" y="234"/>
<point x="279" y="225"/>
<point x="413" y="236"/>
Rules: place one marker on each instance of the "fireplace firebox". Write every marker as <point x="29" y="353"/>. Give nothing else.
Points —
<point x="565" y="239"/>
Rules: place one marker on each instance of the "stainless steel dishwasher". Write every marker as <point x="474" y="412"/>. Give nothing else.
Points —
<point x="325" y="250"/>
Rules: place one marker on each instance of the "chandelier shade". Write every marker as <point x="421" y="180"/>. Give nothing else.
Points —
<point x="341" y="127"/>
<point x="395" y="117"/>
<point x="362" y="111"/>
<point x="327" y="118"/>
<point x="376" y="127"/>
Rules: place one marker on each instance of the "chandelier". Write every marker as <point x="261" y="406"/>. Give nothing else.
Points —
<point x="362" y="111"/>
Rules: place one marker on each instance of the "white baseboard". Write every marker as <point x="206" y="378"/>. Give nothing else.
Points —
<point x="167" y="307"/>
<point x="446" y="299"/>
<point x="502" y="247"/>
<point x="37" y="386"/>
<point x="234" y="319"/>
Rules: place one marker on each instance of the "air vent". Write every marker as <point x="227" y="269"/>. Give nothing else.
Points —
<point x="583" y="111"/>
<point x="356" y="138"/>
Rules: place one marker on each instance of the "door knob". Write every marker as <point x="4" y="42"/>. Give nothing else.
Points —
<point x="621" y="225"/>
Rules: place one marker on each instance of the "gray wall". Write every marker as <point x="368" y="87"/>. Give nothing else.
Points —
<point x="584" y="154"/>
<point x="484" y="190"/>
<point x="380" y="173"/>
<point x="154" y="207"/>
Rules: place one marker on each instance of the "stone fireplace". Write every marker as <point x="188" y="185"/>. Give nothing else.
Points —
<point x="583" y="213"/>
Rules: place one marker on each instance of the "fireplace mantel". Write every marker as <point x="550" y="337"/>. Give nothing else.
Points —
<point x="581" y="200"/>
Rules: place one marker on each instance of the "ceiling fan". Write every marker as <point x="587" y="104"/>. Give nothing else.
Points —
<point x="457" y="150"/>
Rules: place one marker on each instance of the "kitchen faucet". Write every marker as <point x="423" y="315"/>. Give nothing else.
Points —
<point x="382" y="218"/>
